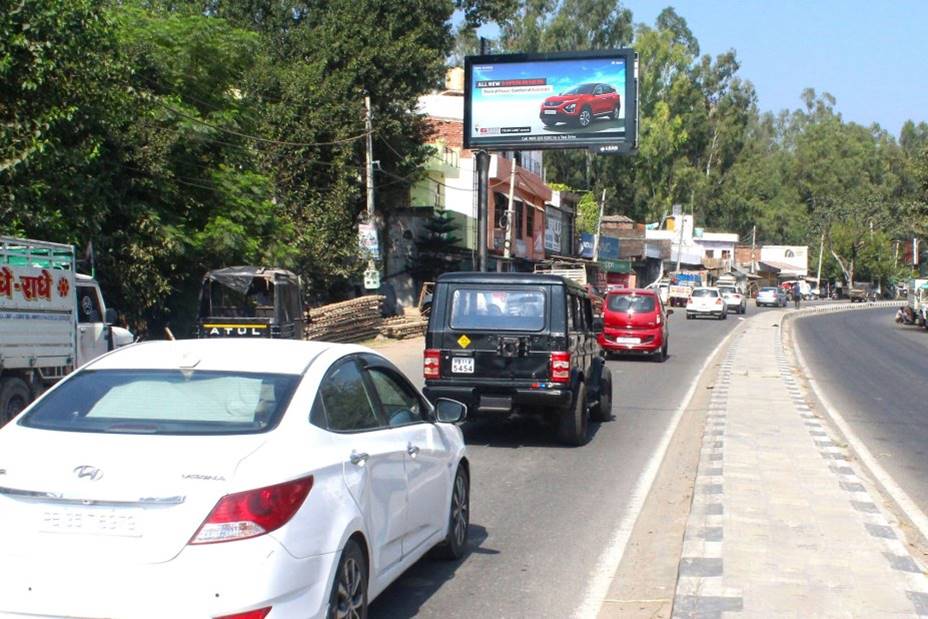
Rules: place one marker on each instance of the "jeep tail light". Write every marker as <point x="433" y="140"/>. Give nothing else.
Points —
<point x="559" y="372"/>
<point x="260" y="613"/>
<point x="431" y="363"/>
<point x="253" y="512"/>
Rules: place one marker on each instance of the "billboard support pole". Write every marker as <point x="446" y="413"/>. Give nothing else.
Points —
<point x="510" y="213"/>
<point x="483" y="190"/>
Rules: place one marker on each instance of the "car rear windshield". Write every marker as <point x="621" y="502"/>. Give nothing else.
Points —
<point x="705" y="292"/>
<point x="727" y="290"/>
<point x="498" y="310"/>
<point x="630" y="303"/>
<point x="164" y="402"/>
<point x="768" y="289"/>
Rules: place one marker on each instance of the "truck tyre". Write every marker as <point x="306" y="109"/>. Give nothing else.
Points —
<point x="14" y="397"/>
<point x="603" y="409"/>
<point x="572" y="424"/>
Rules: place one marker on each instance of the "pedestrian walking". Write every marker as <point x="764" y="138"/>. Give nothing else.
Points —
<point x="797" y="295"/>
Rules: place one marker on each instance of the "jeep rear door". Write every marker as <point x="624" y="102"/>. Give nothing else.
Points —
<point x="497" y="332"/>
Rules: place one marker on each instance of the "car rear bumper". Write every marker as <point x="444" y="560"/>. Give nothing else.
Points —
<point x="202" y="581"/>
<point x="715" y="311"/>
<point x="650" y="340"/>
<point x="490" y="399"/>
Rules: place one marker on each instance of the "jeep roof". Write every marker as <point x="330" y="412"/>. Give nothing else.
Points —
<point x="496" y="279"/>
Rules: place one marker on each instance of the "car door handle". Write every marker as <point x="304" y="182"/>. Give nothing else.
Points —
<point x="412" y="450"/>
<point x="359" y="458"/>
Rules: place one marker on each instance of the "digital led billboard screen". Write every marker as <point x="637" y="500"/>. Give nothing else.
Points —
<point x="535" y="101"/>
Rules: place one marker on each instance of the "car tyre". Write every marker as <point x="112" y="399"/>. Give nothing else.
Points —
<point x="455" y="544"/>
<point x="615" y="112"/>
<point x="661" y="355"/>
<point x="573" y="424"/>
<point x="14" y="397"/>
<point x="603" y="409"/>
<point x="585" y="117"/>
<point x="349" y="589"/>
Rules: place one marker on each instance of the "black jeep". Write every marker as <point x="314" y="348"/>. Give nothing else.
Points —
<point x="506" y="343"/>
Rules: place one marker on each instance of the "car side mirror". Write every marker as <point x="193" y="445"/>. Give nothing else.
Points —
<point x="450" y="411"/>
<point x="110" y="316"/>
<point x="597" y="324"/>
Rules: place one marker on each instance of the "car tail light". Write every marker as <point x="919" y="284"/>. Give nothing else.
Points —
<point x="260" y="613"/>
<point x="559" y="371"/>
<point x="253" y="512"/>
<point x="431" y="367"/>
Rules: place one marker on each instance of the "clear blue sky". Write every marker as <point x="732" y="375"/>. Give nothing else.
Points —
<point x="872" y="56"/>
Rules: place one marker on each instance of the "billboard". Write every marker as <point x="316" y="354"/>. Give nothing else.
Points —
<point x="563" y="100"/>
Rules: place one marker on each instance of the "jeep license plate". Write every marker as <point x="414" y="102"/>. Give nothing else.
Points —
<point x="462" y="365"/>
<point x="552" y="112"/>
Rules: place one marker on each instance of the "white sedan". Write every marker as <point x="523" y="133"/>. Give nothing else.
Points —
<point x="226" y="478"/>
<point x="706" y="302"/>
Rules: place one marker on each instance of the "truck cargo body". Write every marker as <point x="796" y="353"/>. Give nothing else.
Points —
<point x="51" y="320"/>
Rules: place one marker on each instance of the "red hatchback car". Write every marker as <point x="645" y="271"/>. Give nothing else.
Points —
<point x="581" y="104"/>
<point x="635" y="322"/>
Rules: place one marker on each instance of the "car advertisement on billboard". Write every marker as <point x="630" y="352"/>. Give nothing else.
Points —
<point x="572" y="100"/>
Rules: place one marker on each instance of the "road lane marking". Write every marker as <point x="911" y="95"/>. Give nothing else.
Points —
<point x="611" y="557"/>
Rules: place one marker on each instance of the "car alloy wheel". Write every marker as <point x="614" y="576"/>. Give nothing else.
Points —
<point x="349" y="596"/>
<point x="586" y="117"/>
<point x="459" y="511"/>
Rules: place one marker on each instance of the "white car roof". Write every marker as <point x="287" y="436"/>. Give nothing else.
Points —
<point x="220" y="354"/>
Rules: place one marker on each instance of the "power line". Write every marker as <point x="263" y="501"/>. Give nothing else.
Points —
<point x="256" y="138"/>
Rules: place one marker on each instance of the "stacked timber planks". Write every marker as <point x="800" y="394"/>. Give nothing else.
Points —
<point x="401" y="327"/>
<point x="348" y="321"/>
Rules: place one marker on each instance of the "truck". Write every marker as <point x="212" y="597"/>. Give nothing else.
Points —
<point x="251" y="301"/>
<point x="52" y="320"/>
<point x="681" y="287"/>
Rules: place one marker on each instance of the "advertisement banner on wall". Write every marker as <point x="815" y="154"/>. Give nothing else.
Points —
<point x="553" y="230"/>
<point x="586" y="245"/>
<point x="608" y="248"/>
<point x="566" y="100"/>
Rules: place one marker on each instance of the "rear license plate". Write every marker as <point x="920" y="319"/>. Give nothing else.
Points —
<point x="552" y="112"/>
<point x="462" y="365"/>
<point x="91" y="521"/>
<point x="627" y="340"/>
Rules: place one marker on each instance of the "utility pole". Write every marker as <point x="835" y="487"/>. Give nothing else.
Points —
<point x="818" y="277"/>
<point x="371" y="275"/>
<point x="753" y="241"/>
<point x="679" y="219"/>
<point x="510" y="211"/>
<point x="599" y="226"/>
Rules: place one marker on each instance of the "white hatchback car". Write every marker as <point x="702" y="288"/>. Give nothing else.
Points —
<point x="243" y="478"/>
<point x="706" y="302"/>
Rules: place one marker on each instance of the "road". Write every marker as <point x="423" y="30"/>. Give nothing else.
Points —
<point x="541" y="513"/>
<point x="874" y="372"/>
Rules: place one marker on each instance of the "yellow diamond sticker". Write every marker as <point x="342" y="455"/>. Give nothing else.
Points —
<point x="463" y="341"/>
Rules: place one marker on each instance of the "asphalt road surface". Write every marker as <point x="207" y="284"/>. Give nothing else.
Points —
<point x="542" y="513"/>
<point x="875" y="373"/>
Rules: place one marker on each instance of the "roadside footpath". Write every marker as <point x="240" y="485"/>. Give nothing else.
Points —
<point x="784" y="521"/>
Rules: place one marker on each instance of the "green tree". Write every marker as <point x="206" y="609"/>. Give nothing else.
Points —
<point x="435" y="248"/>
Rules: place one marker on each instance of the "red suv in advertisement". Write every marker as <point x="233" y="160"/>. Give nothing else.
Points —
<point x="635" y="322"/>
<point x="581" y="104"/>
